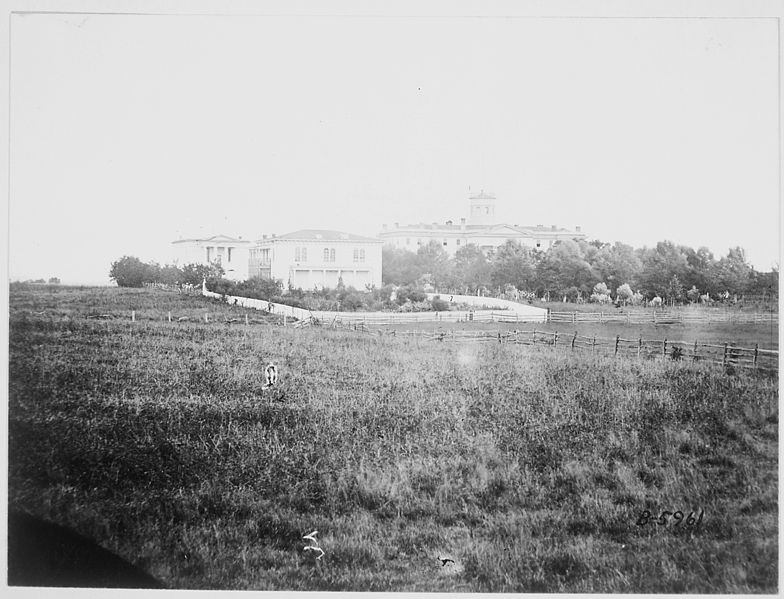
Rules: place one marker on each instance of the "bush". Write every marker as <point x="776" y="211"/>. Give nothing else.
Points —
<point x="352" y="302"/>
<point x="129" y="271"/>
<point x="439" y="305"/>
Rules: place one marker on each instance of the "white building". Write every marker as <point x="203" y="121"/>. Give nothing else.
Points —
<point x="311" y="258"/>
<point x="482" y="230"/>
<point x="231" y="253"/>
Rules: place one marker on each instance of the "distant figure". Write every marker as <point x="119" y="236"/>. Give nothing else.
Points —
<point x="269" y="306"/>
<point x="41" y="553"/>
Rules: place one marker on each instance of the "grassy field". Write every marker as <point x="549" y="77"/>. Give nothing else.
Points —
<point x="528" y="468"/>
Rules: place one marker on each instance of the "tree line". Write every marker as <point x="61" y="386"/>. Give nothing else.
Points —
<point x="575" y="270"/>
<point x="581" y="270"/>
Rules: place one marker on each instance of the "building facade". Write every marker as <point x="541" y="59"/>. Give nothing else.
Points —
<point x="480" y="229"/>
<point x="231" y="253"/>
<point x="311" y="258"/>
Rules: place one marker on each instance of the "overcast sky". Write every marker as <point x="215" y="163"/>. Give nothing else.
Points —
<point x="128" y="132"/>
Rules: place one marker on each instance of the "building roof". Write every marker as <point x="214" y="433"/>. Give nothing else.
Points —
<point x="322" y="235"/>
<point x="214" y="239"/>
<point x="479" y="229"/>
<point x="482" y="195"/>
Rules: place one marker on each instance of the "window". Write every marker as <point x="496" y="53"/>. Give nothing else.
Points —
<point x="209" y="251"/>
<point x="457" y="242"/>
<point x="300" y="254"/>
<point x="332" y="255"/>
<point x="326" y="254"/>
<point x="362" y="254"/>
<point x="356" y="255"/>
<point x="304" y="254"/>
<point x="228" y="258"/>
<point x="444" y="241"/>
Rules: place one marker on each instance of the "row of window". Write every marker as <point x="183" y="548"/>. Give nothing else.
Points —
<point x="301" y="254"/>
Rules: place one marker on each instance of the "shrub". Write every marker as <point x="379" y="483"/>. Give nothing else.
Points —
<point x="352" y="302"/>
<point x="438" y="304"/>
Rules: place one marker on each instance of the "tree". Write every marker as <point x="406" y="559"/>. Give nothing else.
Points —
<point x="624" y="293"/>
<point x="659" y="266"/>
<point x="693" y="294"/>
<point x="433" y="259"/>
<point x="601" y="294"/>
<point x="733" y="272"/>
<point x="563" y="269"/>
<point x="196" y="273"/>
<point x="470" y="269"/>
<point x="513" y="264"/>
<point x="129" y="271"/>
<point x="54" y="281"/>
<point x="398" y="266"/>
<point x="616" y="264"/>
<point x="701" y="269"/>
<point x="674" y="290"/>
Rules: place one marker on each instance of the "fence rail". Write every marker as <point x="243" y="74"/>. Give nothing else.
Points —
<point x="666" y="317"/>
<point x="664" y="349"/>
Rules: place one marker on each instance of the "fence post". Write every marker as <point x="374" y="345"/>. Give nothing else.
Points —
<point x="654" y="316"/>
<point x="593" y="345"/>
<point x="533" y="337"/>
<point x="724" y="360"/>
<point x="133" y="315"/>
<point x="574" y="339"/>
<point x="756" y="352"/>
<point x="617" y="341"/>
<point x="284" y="319"/>
<point x="639" y="347"/>
<point x="206" y="317"/>
<point x="574" y="316"/>
<point x="601" y="317"/>
<point x="169" y="315"/>
<point x="664" y="348"/>
<point x="555" y="339"/>
<point x="695" y="352"/>
<point x="246" y="319"/>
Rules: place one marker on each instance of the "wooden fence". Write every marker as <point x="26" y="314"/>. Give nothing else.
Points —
<point x="666" y="317"/>
<point x="664" y="349"/>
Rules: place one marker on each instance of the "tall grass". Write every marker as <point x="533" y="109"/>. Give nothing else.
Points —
<point x="528" y="468"/>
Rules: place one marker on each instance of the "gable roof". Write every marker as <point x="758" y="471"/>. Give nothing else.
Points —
<point x="213" y="239"/>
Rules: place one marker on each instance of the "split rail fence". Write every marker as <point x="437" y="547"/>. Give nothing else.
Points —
<point x="725" y="354"/>
<point x="666" y="317"/>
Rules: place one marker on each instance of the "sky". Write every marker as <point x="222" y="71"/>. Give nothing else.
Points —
<point x="128" y="132"/>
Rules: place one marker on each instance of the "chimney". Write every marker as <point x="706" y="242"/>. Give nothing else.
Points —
<point x="553" y="227"/>
<point x="578" y="228"/>
<point x="397" y="225"/>
<point x="462" y="224"/>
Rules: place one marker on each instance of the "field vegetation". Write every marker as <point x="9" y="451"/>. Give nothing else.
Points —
<point x="528" y="468"/>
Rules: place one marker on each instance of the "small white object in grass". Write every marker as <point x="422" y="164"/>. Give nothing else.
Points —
<point x="271" y="374"/>
<point x="312" y="536"/>
<point x="314" y="547"/>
